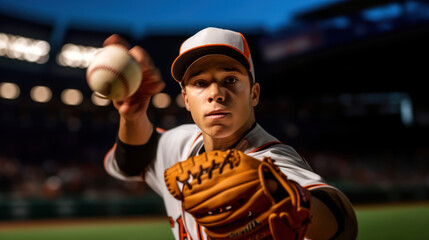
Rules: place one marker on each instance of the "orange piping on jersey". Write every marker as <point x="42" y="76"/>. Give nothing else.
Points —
<point x="190" y="149"/>
<point x="171" y="220"/>
<point x="264" y="146"/>
<point x="312" y="186"/>
<point x="183" y="222"/>
<point x="160" y="130"/>
<point x="199" y="232"/>
<point x="183" y="215"/>
<point x="105" y="156"/>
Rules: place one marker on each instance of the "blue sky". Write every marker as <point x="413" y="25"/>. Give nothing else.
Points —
<point x="163" y="15"/>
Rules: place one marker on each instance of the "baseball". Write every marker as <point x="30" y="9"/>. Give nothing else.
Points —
<point x="114" y="73"/>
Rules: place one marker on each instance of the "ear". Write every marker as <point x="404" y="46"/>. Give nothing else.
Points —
<point x="254" y="94"/>
<point x="185" y="99"/>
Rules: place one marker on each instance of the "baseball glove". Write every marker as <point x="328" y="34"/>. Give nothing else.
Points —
<point x="235" y="196"/>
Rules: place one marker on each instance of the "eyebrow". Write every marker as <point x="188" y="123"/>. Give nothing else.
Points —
<point x="226" y="69"/>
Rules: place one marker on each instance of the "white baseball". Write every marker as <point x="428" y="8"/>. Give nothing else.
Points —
<point x="114" y="73"/>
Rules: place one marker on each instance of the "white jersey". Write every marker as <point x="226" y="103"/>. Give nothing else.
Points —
<point x="180" y="143"/>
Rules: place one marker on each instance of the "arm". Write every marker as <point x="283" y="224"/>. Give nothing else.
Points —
<point x="135" y="128"/>
<point x="332" y="216"/>
<point x="134" y="131"/>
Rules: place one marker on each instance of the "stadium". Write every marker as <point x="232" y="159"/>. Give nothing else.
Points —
<point x="343" y="83"/>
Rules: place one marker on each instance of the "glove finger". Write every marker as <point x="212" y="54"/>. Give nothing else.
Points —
<point x="279" y="226"/>
<point x="276" y="226"/>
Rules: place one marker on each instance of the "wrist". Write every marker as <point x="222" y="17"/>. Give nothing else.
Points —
<point x="135" y="131"/>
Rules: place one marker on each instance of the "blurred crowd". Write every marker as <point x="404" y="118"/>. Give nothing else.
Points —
<point x="52" y="180"/>
<point x="49" y="153"/>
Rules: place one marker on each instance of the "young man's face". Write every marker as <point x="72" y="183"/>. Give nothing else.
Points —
<point x="220" y="97"/>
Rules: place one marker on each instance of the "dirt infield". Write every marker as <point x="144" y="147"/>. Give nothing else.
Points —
<point x="49" y="223"/>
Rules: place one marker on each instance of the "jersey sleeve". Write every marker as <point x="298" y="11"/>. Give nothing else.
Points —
<point x="172" y="146"/>
<point x="291" y="164"/>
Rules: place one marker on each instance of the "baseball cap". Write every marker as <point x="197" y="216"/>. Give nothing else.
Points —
<point x="212" y="41"/>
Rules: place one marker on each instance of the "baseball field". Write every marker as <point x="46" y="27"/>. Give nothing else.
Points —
<point x="401" y="221"/>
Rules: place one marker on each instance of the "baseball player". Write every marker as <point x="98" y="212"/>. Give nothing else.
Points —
<point x="219" y="87"/>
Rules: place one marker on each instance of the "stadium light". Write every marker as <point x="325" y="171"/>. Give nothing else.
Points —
<point x="9" y="90"/>
<point x="22" y="48"/>
<point x="41" y="94"/>
<point x="71" y="97"/>
<point x="161" y="100"/>
<point x="76" y="56"/>
<point x="179" y="100"/>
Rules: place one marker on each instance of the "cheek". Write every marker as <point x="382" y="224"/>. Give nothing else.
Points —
<point x="193" y="104"/>
<point x="243" y="97"/>
<point x="187" y="98"/>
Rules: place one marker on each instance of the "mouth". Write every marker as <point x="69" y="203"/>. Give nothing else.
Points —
<point x="217" y="114"/>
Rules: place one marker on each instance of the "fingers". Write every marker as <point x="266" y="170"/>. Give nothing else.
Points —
<point x="151" y="83"/>
<point x="138" y="53"/>
<point x="116" y="39"/>
<point x="142" y="57"/>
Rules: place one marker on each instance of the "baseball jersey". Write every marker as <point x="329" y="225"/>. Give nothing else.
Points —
<point x="179" y="143"/>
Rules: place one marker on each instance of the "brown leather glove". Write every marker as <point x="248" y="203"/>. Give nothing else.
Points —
<point x="235" y="196"/>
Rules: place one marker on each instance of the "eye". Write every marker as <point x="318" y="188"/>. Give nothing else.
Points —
<point x="200" y="83"/>
<point x="230" y="80"/>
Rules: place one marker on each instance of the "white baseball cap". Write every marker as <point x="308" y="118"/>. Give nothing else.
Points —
<point x="212" y="41"/>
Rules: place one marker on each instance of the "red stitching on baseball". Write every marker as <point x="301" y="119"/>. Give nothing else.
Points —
<point x="115" y="72"/>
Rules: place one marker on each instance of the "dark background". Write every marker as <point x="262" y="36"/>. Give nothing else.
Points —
<point x="343" y="83"/>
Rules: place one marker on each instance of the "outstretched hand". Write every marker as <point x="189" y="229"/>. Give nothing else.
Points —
<point x="135" y="106"/>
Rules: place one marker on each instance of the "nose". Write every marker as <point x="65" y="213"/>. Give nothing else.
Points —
<point x="216" y="93"/>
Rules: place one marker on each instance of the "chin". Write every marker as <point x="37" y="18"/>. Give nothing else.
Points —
<point x="219" y="131"/>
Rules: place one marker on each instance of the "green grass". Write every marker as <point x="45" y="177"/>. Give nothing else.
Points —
<point x="390" y="222"/>
<point x="91" y="231"/>
<point x="393" y="222"/>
